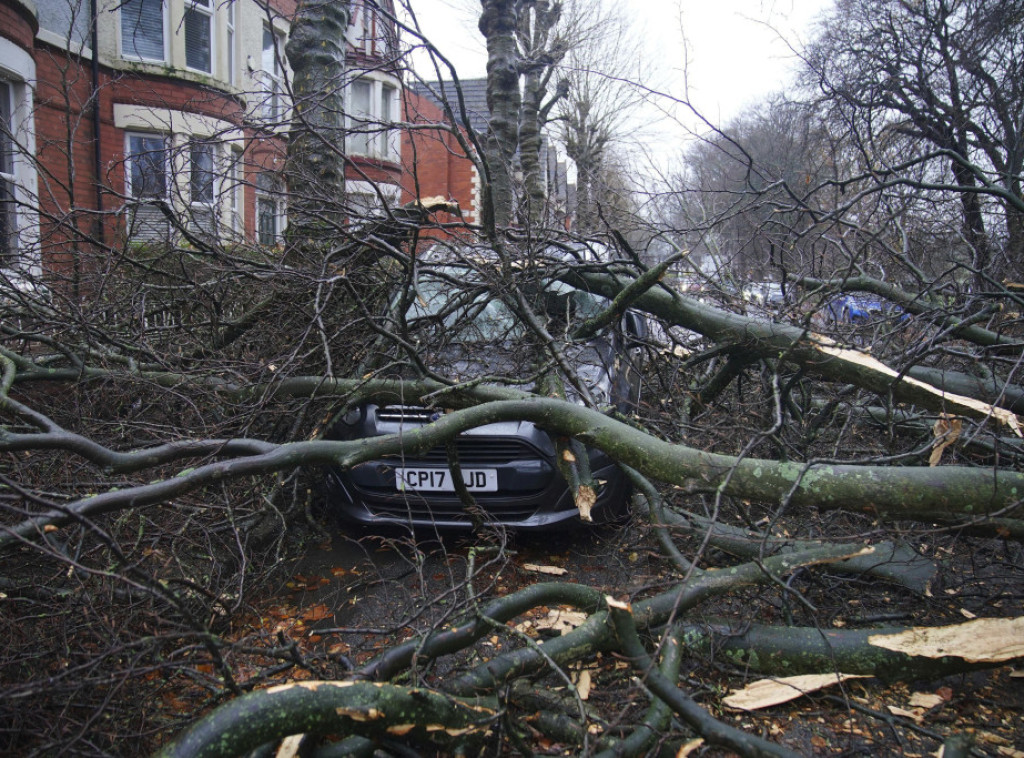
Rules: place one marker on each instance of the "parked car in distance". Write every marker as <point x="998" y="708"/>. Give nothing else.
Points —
<point x="508" y="467"/>
<point x="857" y="309"/>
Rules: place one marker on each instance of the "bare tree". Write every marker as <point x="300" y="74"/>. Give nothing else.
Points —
<point x="946" y="75"/>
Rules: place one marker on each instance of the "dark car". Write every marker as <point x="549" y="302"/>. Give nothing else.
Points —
<point x="508" y="467"/>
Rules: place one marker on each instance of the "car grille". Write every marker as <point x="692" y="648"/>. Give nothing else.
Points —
<point x="483" y="450"/>
<point x="420" y="511"/>
<point x="406" y="413"/>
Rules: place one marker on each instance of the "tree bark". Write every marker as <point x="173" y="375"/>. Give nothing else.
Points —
<point x="498" y="23"/>
<point x="316" y="50"/>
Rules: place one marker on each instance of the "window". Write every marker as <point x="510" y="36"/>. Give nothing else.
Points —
<point x="269" y="210"/>
<point x="203" y="188"/>
<point x="142" y="29"/>
<point x="372" y="105"/>
<point x="8" y="208"/>
<point x="234" y="191"/>
<point x="359" y="126"/>
<point x="146" y="174"/>
<point x="273" y="85"/>
<point x="199" y="35"/>
<point x="202" y="182"/>
<point x="370" y="32"/>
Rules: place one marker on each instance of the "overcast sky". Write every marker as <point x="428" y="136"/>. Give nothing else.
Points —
<point x="723" y="54"/>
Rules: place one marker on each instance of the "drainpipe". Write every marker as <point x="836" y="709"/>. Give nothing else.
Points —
<point x="96" y="149"/>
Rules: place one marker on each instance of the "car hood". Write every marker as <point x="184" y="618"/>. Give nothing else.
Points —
<point x="593" y="362"/>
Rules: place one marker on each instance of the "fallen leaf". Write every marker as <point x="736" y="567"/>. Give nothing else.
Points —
<point x="967" y="614"/>
<point x="926" y="700"/>
<point x="316" y="613"/>
<point x="979" y="641"/>
<point x="537" y="568"/>
<point x="916" y="715"/>
<point x="768" y="692"/>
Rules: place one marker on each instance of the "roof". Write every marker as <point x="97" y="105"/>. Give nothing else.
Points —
<point x="474" y="95"/>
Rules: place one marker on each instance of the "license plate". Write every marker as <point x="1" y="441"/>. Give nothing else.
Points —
<point x="440" y="479"/>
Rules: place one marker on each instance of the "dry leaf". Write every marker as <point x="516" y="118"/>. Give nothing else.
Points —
<point x="946" y="431"/>
<point x="1013" y="753"/>
<point x="537" y="568"/>
<point x="767" y="692"/>
<point x="925" y="700"/>
<point x="917" y="715"/>
<point x="980" y="641"/>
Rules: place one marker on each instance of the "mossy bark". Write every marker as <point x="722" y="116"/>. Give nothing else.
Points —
<point x="316" y="50"/>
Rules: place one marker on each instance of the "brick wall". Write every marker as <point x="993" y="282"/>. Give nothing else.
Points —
<point x="434" y="163"/>
<point x="17" y="24"/>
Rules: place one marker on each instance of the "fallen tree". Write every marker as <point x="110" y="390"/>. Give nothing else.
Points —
<point x="163" y="449"/>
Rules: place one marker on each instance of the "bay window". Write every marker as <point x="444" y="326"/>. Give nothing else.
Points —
<point x="142" y="29"/>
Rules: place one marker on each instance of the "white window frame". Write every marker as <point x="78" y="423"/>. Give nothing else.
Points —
<point x="214" y="148"/>
<point x="9" y="243"/>
<point x="165" y="22"/>
<point x="273" y="197"/>
<point x="235" y="191"/>
<point x="207" y="11"/>
<point x="380" y="133"/>
<point x="138" y="201"/>
<point x="129" y="159"/>
<point x="20" y="264"/>
<point x="231" y="43"/>
<point x="273" y="106"/>
<point x="279" y="216"/>
<point x="362" y="20"/>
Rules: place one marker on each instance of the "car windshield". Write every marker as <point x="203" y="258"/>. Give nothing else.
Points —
<point x="478" y="317"/>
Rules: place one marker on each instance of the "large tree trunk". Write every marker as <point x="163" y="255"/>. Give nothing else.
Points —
<point x="498" y="25"/>
<point x="316" y="51"/>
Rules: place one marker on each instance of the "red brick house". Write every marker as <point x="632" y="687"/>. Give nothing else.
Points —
<point x="166" y="120"/>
